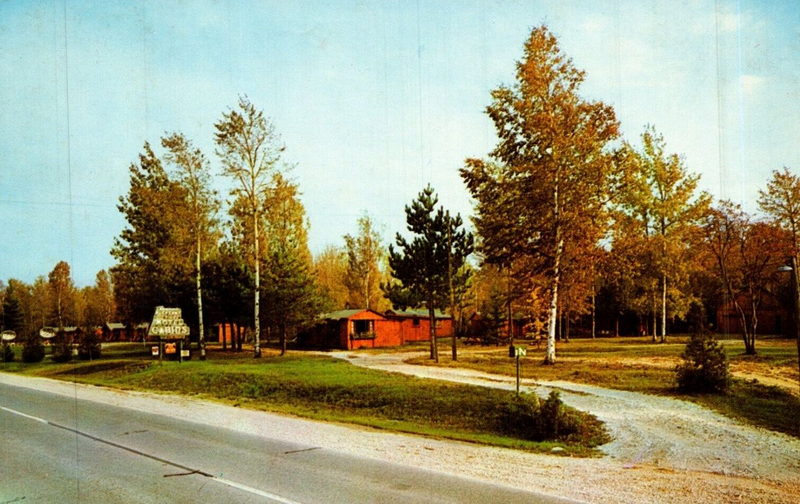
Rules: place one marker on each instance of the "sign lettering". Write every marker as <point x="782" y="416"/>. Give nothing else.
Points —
<point x="168" y="324"/>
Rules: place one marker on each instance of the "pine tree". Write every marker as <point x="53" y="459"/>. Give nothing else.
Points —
<point x="152" y="262"/>
<point x="422" y="266"/>
<point x="13" y="317"/>
<point x="292" y="296"/>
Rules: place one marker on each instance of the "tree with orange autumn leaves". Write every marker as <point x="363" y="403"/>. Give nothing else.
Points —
<point x="546" y="183"/>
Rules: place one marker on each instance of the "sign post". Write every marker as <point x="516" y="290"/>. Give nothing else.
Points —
<point x="516" y="352"/>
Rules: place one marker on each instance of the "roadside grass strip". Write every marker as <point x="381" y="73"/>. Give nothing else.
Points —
<point x="329" y="389"/>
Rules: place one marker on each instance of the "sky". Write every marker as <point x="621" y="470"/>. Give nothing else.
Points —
<point x="373" y="99"/>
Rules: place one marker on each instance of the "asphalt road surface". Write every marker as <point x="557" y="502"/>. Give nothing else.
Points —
<point x="57" y="449"/>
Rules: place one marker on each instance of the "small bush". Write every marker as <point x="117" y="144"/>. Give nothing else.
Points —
<point x="8" y="353"/>
<point x="549" y="420"/>
<point x="62" y="349"/>
<point x="552" y="419"/>
<point x="89" y="347"/>
<point x="705" y="366"/>
<point x="32" y="350"/>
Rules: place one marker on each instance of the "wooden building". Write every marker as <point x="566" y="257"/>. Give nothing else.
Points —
<point x="362" y="328"/>
<point x="772" y="317"/>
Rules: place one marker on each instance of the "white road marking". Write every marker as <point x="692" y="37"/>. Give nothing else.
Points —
<point x="42" y="420"/>
<point x="232" y="484"/>
<point x="255" y="491"/>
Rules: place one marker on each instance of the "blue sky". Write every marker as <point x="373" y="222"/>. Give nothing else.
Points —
<point x="373" y="99"/>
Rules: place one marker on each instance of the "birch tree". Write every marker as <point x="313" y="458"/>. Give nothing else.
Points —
<point x="363" y="276"/>
<point x="660" y="195"/>
<point x="250" y="150"/>
<point x="547" y="179"/>
<point x="194" y="176"/>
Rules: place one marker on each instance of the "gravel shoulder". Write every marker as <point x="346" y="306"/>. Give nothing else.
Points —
<point x="641" y="465"/>
<point x="659" y="434"/>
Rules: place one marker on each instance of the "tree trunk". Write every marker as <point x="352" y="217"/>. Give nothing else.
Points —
<point x="453" y="327"/>
<point x="257" y="300"/>
<point x="432" y="323"/>
<point x="594" y="316"/>
<point x="224" y="336"/>
<point x="655" y="319"/>
<point x="509" y="314"/>
<point x="283" y="338"/>
<point x="366" y="290"/>
<point x="201" y="329"/>
<point x="550" y="353"/>
<point x="796" y="298"/>
<point x="663" y="308"/>
<point x="566" y="328"/>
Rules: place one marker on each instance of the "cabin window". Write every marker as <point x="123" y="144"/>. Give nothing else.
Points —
<point x="363" y="329"/>
<point x="416" y="321"/>
<point x="362" y="326"/>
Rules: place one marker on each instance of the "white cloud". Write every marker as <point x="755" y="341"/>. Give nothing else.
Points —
<point x="728" y="22"/>
<point x="596" y="24"/>
<point x="750" y="84"/>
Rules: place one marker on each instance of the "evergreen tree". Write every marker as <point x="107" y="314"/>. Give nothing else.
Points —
<point x="152" y="262"/>
<point x="422" y="266"/>
<point x="292" y="296"/>
<point x="229" y="285"/>
<point x="13" y="317"/>
<point x="705" y="366"/>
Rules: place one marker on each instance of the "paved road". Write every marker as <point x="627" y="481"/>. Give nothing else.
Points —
<point x="64" y="450"/>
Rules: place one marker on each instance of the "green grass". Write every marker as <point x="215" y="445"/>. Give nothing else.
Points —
<point x="329" y="389"/>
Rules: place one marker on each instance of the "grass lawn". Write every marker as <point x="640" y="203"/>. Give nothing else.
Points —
<point x="765" y="391"/>
<point x="329" y="389"/>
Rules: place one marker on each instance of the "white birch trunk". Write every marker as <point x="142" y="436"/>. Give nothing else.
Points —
<point x="257" y="300"/>
<point x="202" y="338"/>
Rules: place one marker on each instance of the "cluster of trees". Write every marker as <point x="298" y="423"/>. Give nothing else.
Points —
<point x="254" y="268"/>
<point x="583" y="221"/>
<point x="54" y="301"/>
<point x="573" y="224"/>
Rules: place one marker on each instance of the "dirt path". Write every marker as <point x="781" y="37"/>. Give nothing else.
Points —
<point x="657" y="434"/>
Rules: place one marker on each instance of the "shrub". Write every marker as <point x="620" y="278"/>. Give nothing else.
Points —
<point x="62" y="348"/>
<point x="89" y="347"/>
<point x="552" y="419"/>
<point x="527" y="418"/>
<point x="704" y="367"/>
<point x="32" y="350"/>
<point x="8" y="353"/>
